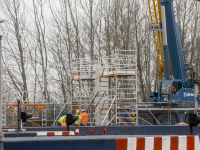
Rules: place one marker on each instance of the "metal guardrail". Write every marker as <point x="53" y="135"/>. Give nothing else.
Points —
<point x="148" y="114"/>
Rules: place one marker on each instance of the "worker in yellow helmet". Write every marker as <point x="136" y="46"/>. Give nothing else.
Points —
<point x="79" y="117"/>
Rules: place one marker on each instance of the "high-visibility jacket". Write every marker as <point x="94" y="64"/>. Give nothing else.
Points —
<point x="64" y="124"/>
<point x="173" y="89"/>
<point x="78" y="120"/>
<point x="84" y="118"/>
<point x="167" y="89"/>
<point x="62" y="119"/>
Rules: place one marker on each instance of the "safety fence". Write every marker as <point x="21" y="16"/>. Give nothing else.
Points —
<point x="100" y="114"/>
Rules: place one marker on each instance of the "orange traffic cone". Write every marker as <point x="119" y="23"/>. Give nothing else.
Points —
<point x="77" y="130"/>
<point x="105" y="132"/>
<point x="91" y="132"/>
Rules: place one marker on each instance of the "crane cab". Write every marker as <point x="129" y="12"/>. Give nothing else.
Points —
<point x="172" y="91"/>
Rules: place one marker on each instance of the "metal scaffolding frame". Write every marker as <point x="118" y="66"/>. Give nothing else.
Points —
<point x="107" y="90"/>
<point x="121" y="70"/>
<point x="83" y="92"/>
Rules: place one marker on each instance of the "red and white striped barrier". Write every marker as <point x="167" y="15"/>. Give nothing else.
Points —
<point x="12" y="130"/>
<point x="52" y="133"/>
<point x="159" y="143"/>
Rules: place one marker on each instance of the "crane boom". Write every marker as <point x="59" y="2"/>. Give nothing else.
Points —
<point x="156" y="20"/>
<point x="155" y="16"/>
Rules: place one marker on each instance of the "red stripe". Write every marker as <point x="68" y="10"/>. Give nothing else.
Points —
<point x="121" y="144"/>
<point x="50" y="133"/>
<point x="4" y="130"/>
<point x="190" y="142"/>
<point x="140" y="144"/>
<point x="174" y="143"/>
<point x="65" y="132"/>
<point x="19" y="129"/>
<point x="157" y="143"/>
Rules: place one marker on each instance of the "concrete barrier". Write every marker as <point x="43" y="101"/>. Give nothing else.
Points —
<point x="123" y="130"/>
<point x="159" y="143"/>
<point x="105" y="142"/>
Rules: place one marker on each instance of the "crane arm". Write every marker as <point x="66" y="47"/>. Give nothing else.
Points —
<point x="156" y="19"/>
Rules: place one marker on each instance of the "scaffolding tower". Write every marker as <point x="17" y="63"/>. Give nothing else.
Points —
<point x="83" y="92"/>
<point x="120" y="70"/>
<point x="107" y="89"/>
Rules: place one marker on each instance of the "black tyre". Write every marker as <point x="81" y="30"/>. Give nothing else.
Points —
<point x="163" y="119"/>
<point x="145" y="119"/>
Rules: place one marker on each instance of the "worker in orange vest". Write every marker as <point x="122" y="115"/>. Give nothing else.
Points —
<point x="173" y="89"/>
<point x="84" y="118"/>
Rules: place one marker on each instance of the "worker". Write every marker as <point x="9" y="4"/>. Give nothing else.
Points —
<point x="79" y="117"/>
<point x="173" y="89"/>
<point x="168" y="87"/>
<point x="62" y="121"/>
<point x="84" y="118"/>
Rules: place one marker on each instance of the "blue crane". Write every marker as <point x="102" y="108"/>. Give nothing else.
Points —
<point x="178" y="88"/>
<point x="175" y="97"/>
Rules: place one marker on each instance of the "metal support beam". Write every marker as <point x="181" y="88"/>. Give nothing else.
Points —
<point x="1" y="133"/>
<point x="195" y="98"/>
<point x="165" y="47"/>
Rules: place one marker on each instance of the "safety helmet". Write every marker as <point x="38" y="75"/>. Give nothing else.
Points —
<point x="77" y="112"/>
<point x="83" y="110"/>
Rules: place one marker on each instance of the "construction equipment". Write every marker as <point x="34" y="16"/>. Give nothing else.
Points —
<point x="176" y="90"/>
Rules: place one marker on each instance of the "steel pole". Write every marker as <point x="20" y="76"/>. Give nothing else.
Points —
<point x="195" y="98"/>
<point x="0" y="87"/>
<point x="1" y="133"/>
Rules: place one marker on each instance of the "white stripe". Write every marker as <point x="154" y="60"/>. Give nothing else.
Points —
<point x="196" y="143"/>
<point x="149" y="143"/>
<point x="41" y="133"/>
<point x="11" y="130"/>
<point x="77" y="130"/>
<point x="71" y="133"/>
<point x="23" y="130"/>
<point x="166" y="143"/>
<point x="182" y="143"/>
<point x="131" y="144"/>
<point x="58" y="133"/>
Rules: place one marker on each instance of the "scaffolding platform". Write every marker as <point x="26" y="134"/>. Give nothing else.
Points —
<point x="118" y="74"/>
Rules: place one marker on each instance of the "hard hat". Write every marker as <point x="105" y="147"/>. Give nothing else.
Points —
<point x="133" y="114"/>
<point x="83" y="110"/>
<point x="77" y="112"/>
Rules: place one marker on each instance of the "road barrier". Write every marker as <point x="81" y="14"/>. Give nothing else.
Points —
<point x="53" y="133"/>
<point x="159" y="143"/>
